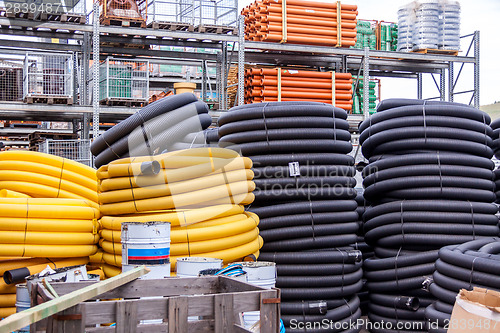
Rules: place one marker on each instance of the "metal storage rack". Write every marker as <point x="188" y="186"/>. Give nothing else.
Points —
<point x="93" y="41"/>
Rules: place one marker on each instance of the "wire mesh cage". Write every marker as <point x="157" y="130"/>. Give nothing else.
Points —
<point x="11" y="83"/>
<point x="170" y="11"/>
<point x="123" y="80"/>
<point x="76" y="150"/>
<point x="48" y="75"/>
<point x="116" y="12"/>
<point x="213" y="12"/>
<point x="55" y="10"/>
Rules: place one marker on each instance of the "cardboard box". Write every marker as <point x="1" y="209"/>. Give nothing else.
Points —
<point x="476" y="311"/>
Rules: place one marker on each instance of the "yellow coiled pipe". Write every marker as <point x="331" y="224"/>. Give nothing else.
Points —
<point x="42" y="175"/>
<point x="12" y="194"/>
<point x="201" y="192"/>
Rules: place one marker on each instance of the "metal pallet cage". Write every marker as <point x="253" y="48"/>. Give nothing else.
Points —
<point x="123" y="12"/>
<point x="170" y="11"/>
<point x="213" y="12"/>
<point x="76" y="150"/>
<point x="123" y="80"/>
<point x="11" y="83"/>
<point x="44" y="10"/>
<point x="48" y="75"/>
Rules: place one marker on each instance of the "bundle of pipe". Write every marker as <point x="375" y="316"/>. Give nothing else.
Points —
<point x="200" y="191"/>
<point x="472" y="264"/>
<point x="299" y="22"/>
<point x="430" y="182"/>
<point x="206" y="138"/>
<point x="495" y="126"/>
<point x="304" y="198"/>
<point x="275" y="84"/>
<point x="40" y="175"/>
<point x="153" y="129"/>
<point x="365" y="249"/>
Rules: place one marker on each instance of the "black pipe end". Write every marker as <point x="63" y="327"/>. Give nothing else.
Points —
<point x="16" y="275"/>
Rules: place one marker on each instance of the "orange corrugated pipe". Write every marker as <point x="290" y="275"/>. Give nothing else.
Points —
<point x="303" y="94"/>
<point x="312" y="74"/>
<point x="312" y="4"/>
<point x="299" y="84"/>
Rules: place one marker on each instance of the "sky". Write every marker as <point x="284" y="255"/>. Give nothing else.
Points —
<point x="482" y="15"/>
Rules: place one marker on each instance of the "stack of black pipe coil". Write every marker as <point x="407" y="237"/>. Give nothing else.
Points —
<point x="495" y="126"/>
<point x="465" y="266"/>
<point x="366" y="250"/>
<point x="153" y="129"/>
<point x="430" y="182"/>
<point x="304" y="198"/>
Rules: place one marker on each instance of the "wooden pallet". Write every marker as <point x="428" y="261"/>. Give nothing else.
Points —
<point x="436" y="51"/>
<point x="173" y="26"/>
<point x="63" y="17"/>
<point x="123" y="102"/>
<point x="48" y="99"/>
<point x="11" y="14"/>
<point x="124" y="22"/>
<point x="216" y="29"/>
<point x="125" y="45"/>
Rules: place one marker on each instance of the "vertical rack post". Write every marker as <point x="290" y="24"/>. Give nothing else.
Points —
<point x="241" y="60"/>
<point x="204" y="80"/>
<point x="442" y="85"/>
<point x="476" y="69"/>
<point x="451" y="81"/>
<point x="95" y="70"/>
<point x="419" y="86"/>
<point x="366" y="83"/>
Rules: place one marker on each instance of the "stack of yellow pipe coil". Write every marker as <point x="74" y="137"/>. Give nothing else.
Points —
<point x="48" y="216"/>
<point x="201" y="192"/>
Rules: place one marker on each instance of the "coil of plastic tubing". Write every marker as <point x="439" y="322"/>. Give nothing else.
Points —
<point x="153" y="129"/>
<point x="39" y="175"/>
<point x="304" y="189"/>
<point x="396" y="285"/>
<point x="365" y="249"/>
<point x="331" y="276"/>
<point x="472" y="264"/>
<point x="200" y="191"/>
<point x="201" y="139"/>
<point x="430" y="183"/>
<point x="33" y="227"/>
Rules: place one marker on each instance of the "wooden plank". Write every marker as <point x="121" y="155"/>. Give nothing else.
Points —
<point x="126" y="317"/>
<point x="269" y="313"/>
<point x="27" y="317"/>
<point x="199" y="326"/>
<point x="76" y="324"/>
<point x="171" y="286"/>
<point x="223" y="313"/>
<point x="177" y="314"/>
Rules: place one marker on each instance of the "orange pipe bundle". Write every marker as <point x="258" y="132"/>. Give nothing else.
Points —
<point x="301" y="22"/>
<point x="275" y="84"/>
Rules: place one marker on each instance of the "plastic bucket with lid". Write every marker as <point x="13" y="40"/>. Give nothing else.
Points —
<point x="146" y="244"/>
<point x="192" y="266"/>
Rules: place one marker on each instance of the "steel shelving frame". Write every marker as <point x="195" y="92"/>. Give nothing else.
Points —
<point x="92" y="41"/>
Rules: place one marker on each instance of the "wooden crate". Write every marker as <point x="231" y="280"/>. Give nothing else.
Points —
<point x="217" y="302"/>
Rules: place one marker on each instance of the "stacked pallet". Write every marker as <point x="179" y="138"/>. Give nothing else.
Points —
<point x="37" y="138"/>
<point x="276" y="84"/>
<point x="299" y="22"/>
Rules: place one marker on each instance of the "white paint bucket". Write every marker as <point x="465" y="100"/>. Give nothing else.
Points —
<point x="261" y="274"/>
<point x="146" y="244"/>
<point x="23" y="302"/>
<point x="192" y="266"/>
